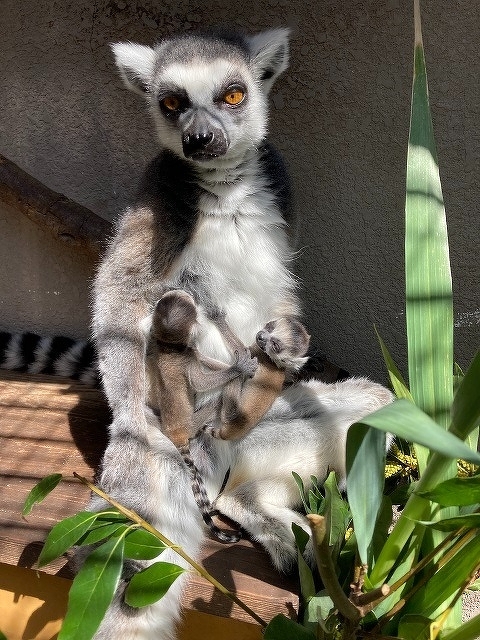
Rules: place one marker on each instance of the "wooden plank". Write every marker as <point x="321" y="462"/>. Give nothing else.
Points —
<point x="52" y="425"/>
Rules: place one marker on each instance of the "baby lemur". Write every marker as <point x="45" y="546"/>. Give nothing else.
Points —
<point x="178" y="370"/>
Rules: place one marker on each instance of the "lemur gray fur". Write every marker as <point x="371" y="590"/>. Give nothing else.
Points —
<point x="210" y="217"/>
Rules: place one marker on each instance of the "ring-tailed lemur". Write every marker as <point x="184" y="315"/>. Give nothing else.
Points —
<point x="212" y="209"/>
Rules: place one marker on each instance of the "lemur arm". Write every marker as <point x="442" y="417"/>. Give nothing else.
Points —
<point x="207" y="373"/>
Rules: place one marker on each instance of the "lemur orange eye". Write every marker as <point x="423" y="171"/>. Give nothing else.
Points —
<point x="234" y="96"/>
<point x="171" y="103"/>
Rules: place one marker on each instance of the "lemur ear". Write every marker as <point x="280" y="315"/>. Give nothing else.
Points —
<point x="269" y="52"/>
<point x="135" y="63"/>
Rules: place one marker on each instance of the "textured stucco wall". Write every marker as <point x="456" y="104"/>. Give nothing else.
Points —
<point x="339" y="115"/>
<point x="44" y="284"/>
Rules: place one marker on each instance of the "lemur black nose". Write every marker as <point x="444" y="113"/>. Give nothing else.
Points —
<point x="194" y="142"/>
<point x="261" y="339"/>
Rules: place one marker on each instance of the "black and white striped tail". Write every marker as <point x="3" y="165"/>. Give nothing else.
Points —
<point x="204" y="503"/>
<point x="59" y="356"/>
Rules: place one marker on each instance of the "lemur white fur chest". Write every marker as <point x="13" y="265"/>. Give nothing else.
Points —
<point x="240" y="250"/>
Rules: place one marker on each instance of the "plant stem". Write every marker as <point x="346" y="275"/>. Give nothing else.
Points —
<point x="327" y="570"/>
<point x="132" y="515"/>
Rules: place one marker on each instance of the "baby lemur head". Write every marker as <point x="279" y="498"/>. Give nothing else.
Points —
<point x="285" y="341"/>
<point x="207" y="92"/>
<point x="174" y="318"/>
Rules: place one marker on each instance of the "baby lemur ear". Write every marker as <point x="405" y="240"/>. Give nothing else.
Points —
<point x="269" y="52"/>
<point x="135" y="63"/>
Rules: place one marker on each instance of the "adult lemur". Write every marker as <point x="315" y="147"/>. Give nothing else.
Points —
<point x="210" y="218"/>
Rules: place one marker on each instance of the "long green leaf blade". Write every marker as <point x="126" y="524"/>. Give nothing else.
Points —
<point x="466" y="404"/>
<point x="365" y="458"/>
<point x="455" y="492"/>
<point x="429" y="306"/>
<point x="92" y="591"/>
<point x="40" y="491"/>
<point x="406" y="420"/>
<point x="447" y="580"/>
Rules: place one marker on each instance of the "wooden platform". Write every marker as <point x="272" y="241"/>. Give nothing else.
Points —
<point x="50" y="425"/>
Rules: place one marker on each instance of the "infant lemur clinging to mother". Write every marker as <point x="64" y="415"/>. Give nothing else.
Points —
<point x="177" y="371"/>
<point x="211" y="217"/>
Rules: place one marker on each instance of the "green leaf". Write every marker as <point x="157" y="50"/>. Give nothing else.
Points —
<point x="455" y="492"/>
<point x="365" y="458"/>
<point x="337" y="513"/>
<point x="469" y="630"/>
<point x="471" y="521"/>
<point x="142" y="545"/>
<point x="106" y="530"/>
<point x="307" y="584"/>
<point x="3" y="636"/>
<point x="466" y="404"/>
<point x="398" y="383"/>
<point x="151" y="584"/>
<point x="40" y="491"/>
<point x="447" y="580"/>
<point x="282" y="628"/>
<point x="319" y="608"/>
<point x="92" y="591"/>
<point x="301" y="489"/>
<point x="406" y="420"/>
<point x="414" y="627"/>
<point x="429" y="306"/>
<point x="64" y="535"/>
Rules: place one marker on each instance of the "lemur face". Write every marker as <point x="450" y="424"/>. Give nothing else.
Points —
<point x="285" y="341"/>
<point x="207" y="96"/>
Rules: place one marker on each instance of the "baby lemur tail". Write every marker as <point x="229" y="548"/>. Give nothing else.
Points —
<point x="204" y="503"/>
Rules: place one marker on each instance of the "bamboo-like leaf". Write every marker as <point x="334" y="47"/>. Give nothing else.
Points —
<point x="64" y="535"/>
<point x="455" y="492"/>
<point x="398" y="383"/>
<point x="471" y="521"/>
<point x="469" y="630"/>
<point x="142" y="545"/>
<point x="151" y="584"/>
<point x="429" y="306"/>
<point x="447" y="580"/>
<point x="466" y="404"/>
<point x="40" y="491"/>
<point x="337" y="514"/>
<point x="301" y="490"/>
<point x="406" y="420"/>
<point x="365" y="457"/>
<point x="282" y="628"/>
<point x="92" y="591"/>
<point x="307" y="584"/>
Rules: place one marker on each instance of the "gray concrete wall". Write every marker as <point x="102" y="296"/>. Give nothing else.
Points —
<point x="340" y="116"/>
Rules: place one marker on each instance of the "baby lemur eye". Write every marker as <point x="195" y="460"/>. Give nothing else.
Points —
<point x="234" y="95"/>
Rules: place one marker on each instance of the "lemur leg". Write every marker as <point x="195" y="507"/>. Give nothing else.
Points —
<point x="244" y="405"/>
<point x="258" y="507"/>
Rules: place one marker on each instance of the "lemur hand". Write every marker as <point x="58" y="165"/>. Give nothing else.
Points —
<point x="244" y="363"/>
